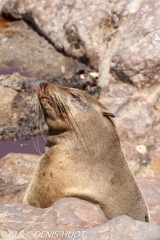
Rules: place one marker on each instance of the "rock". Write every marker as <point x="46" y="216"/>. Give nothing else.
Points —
<point x="36" y="57"/>
<point x="74" y="30"/>
<point x="151" y="190"/>
<point x="67" y="214"/>
<point x="13" y="194"/>
<point x="122" y="13"/>
<point x="136" y="60"/>
<point x="70" y="217"/>
<point x="17" y="169"/>
<point x="7" y="96"/>
<point x="14" y="81"/>
<point x="123" y="228"/>
<point x="122" y="39"/>
<point x="71" y="212"/>
<point x="2" y="3"/>
<point x="137" y="121"/>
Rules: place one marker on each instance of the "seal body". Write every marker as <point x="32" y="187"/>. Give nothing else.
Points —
<point x="83" y="156"/>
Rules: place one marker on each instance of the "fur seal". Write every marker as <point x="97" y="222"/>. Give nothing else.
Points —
<point x="83" y="156"/>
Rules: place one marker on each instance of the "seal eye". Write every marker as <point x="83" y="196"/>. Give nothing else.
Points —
<point x="75" y="96"/>
<point x="78" y="102"/>
<point x="106" y="114"/>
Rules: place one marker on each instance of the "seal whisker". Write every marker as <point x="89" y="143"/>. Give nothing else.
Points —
<point x="64" y="109"/>
<point x="40" y="124"/>
<point x="39" y="113"/>
<point x="81" y="138"/>
<point x="37" y="110"/>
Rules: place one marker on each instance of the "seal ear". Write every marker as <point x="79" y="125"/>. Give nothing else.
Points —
<point x="108" y="114"/>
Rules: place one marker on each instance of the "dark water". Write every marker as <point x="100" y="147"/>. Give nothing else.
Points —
<point x="23" y="146"/>
<point x="12" y="67"/>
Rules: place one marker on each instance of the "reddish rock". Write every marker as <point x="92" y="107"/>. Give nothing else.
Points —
<point x="151" y="191"/>
<point x="70" y="217"/>
<point x="67" y="214"/>
<point x="17" y="169"/>
<point x="137" y="121"/>
<point x="7" y="96"/>
<point x="13" y="194"/>
<point x="78" y="214"/>
<point x="136" y="60"/>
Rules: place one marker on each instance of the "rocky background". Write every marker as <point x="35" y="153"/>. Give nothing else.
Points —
<point x="111" y="49"/>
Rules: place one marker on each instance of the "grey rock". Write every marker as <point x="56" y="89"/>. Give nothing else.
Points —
<point x="124" y="33"/>
<point x="80" y="28"/>
<point x="123" y="38"/>
<point x="24" y="51"/>
<point x="14" y="81"/>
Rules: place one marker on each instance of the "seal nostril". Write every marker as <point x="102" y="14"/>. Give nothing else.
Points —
<point x="41" y="84"/>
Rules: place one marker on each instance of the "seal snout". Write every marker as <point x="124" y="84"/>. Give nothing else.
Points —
<point x="41" y="84"/>
<point x="42" y="90"/>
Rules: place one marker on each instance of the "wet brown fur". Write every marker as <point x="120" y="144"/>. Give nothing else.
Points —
<point x="83" y="156"/>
